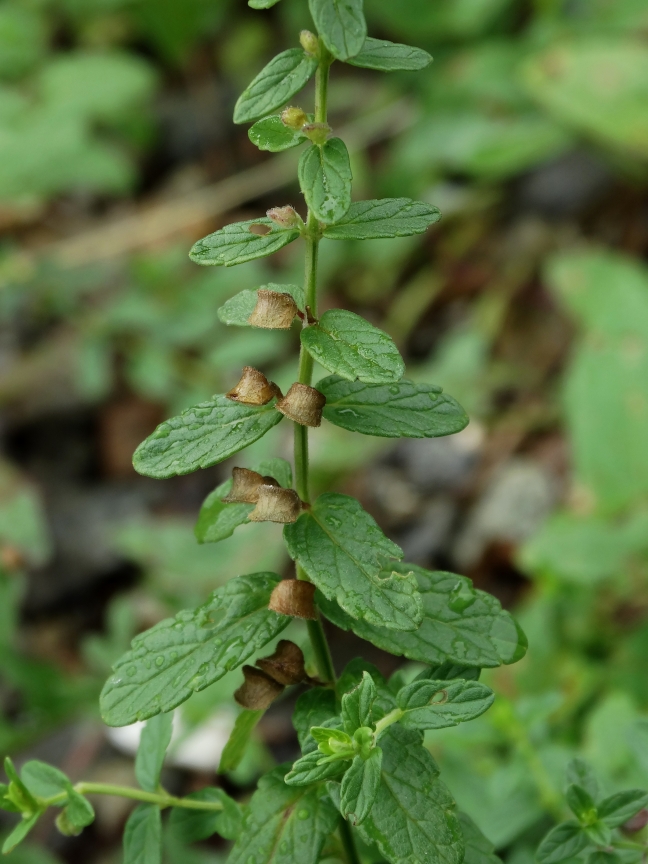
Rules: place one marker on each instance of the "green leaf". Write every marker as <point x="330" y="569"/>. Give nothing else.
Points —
<point x="341" y="24"/>
<point x="43" y="780"/>
<point x="143" y="836"/>
<point x="236" y="311"/>
<point x="439" y="704"/>
<point x="19" y="833"/>
<point x="325" y="179"/>
<point x="331" y="741"/>
<point x="314" y="767"/>
<point x="181" y="655"/>
<point x="598" y="833"/>
<point x="153" y="744"/>
<point x="345" y="554"/>
<point x="262" y="4"/>
<point x="618" y="808"/>
<point x="313" y="708"/>
<point x="272" y="134"/>
<point x="383" y="218"/>
<point x="218" y="520"/>
<point x="284" y="824"/>
<point x="600" y="856"/>
<point x="353" y="675"/>
<point x="275" y="84"/>
<point x="390" y="57"/>
<point x="479" y="850"/>
<point x="399" y="410"/>
<point x="360" y="787"/>
<point x="239" y="738"/>
<point x="79" y="812"/>
<point x="236" y="243"/>
<point x="563" y="842"/>
<point x="346" y="344"/>
<point x="581" y="774"/>
<point x="202" y="436"/>
<point x="580" y="803"/>
<point x="18" y="793"/>
<point x="190" y="826"/>
<point x="481" y="633"/>
<point x="6" y="803"/>
<point x="449" y="671"/>
<point x="412" y="820"/>
<point x="357" y="706"/>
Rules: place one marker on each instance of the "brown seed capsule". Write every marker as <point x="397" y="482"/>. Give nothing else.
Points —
<point x="275" y="504"/>
<point x="285" y="217"/>
<point x="253" y="388"/>
<point x="318" y="133"/>
<point x="294" y="118"/>
<point x="294" y="597"/>
<point x="258" y="691"/>
<point x="286" y="665"/>
<point x="303" y="404"/>
<point x="309" y="42"/>
<point x="274" y="310"/>
<point x="245" y="486"/>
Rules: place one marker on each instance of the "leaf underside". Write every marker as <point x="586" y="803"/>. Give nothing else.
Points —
<point x="478" y="634"/>
<point x="181" y="655"/>
<point x="347" y="556"/>
<point x="399" y="410"/>
<point x="202" y="436"/>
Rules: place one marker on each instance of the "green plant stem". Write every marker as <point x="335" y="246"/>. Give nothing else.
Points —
<point x="393" y="717"/>
<point x="162" y="798"/>
<point x="316" y="632"/>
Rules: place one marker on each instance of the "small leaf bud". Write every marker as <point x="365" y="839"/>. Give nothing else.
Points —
<point x="66" y="827"/>
<point x="318" y="133"/>
<point x="245" y="486"/>
<point x="294" y="597"/>
<point x="258" y="691"/>
<point x="253" y="388"/>
<point x="294" y="118"/>
<point x="309" y="42"/>
<point x="276" y="505"/>
<point x="286" y="665"/>
<point x="303" y="404"/>
<point x="274" y="310"/>
<point x="285" y="217"/>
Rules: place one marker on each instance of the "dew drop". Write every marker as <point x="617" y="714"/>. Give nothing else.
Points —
<point x="159" y="661"/>
<point x="303" y="814"/>
<point x="132" y="670"/>
<point x="394" y="389"/>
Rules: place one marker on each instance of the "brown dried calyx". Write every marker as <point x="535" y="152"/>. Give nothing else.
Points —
<point x="274" y="310"/>
<point x="246" y="485"/>
<point x="254" y="388"/>
<point x="303" y="404"/>
<point x="294" y="597"/>
<point x="263" y="685"/>
<point x="275" y="504"/>
<point x="285" y="217"/>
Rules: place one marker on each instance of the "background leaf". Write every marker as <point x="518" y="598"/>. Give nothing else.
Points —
<point x="234" y="750"/>
<point x="143" y="836"/>
<point x="154" y="741"/>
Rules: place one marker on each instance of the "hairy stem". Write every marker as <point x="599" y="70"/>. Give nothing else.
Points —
<point x="316" y="632"/>
<point x="161" y="798"/>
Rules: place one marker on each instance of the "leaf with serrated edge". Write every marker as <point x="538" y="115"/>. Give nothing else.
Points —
<point x="413" y="819"/>
<point x="202" y="436"/>
<point x="218" y="520"/>
<point x="383" y="218"/>
<point x="236" y="244"/>
<point x="153" y="744"/>
<point x="346" y="344"/>
<point x="357" y="705"/>
<point x="439" y="704"/>
<point x="237" y="743"/>
<point x="480" y="634"/>
<point x="181" y="655"/>
<point x="360" y="786"/>
<point x="143" y="836"/>
<point x="384" y="56"/>
<point x="236" y="311"/>
<point x="275" y="84"/>
<point x="307" y="770"/>
<point x="325" y="179"/>
<point x="344" y="552"/>
<point x="341" y="24"/>
<point x="273" y="135"/>
<point x="398" y="410"/>
<point x="313" y="708"/>
<point x="284" y="824"/>
<point x="353" y="675"/>
<point x="562" y="842"/>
